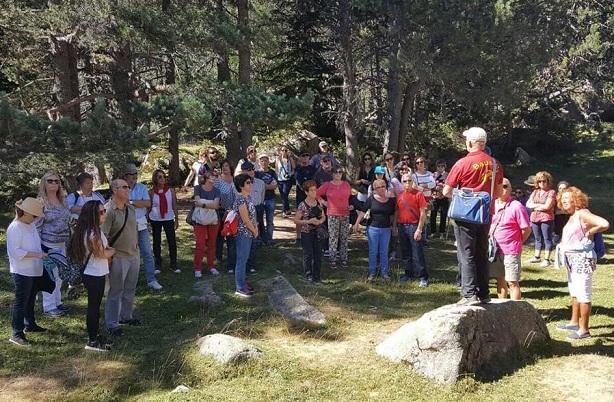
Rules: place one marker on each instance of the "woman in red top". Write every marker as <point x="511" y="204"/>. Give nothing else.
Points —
<point x="542" y="201"/>
<point x="337" y="193"/>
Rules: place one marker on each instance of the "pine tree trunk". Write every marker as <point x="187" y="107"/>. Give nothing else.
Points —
<point x="392" y="121"/>
<point x="66" y="76"/>
<point x="244" y="49"/>
<point x="350" y="112"/>
<point x="121" y="68"/>
<point x="174" y="171"/>
<point x="409" y="107"/>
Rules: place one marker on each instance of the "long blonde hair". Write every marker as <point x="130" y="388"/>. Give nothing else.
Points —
<point x="42" y="190"/>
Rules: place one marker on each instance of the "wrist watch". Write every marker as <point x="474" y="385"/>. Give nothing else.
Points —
<point x="131" y="202"/>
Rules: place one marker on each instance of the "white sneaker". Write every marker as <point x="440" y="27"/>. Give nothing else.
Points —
<point x="177" y="271"/>
<point x="534" y="260"/>
<point x="214" y="272"/>
<point x="157" y="272"/>
<point x="545" y="264"/>
<point x="198" y="274"/>
<point x="154" y="285"/>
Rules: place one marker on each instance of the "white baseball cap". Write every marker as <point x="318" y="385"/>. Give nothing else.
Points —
<point x="475" y="134"/>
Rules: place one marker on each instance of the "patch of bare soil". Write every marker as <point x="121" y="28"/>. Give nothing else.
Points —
<point x="580" y="378"/>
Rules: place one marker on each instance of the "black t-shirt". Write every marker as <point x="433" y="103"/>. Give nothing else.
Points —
<point x="267" y="177"/>
<point x="322" y="176"/>
<point x="381" y="213"/>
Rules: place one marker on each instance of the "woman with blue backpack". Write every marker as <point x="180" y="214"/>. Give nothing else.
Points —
<point x="581" y="245"/>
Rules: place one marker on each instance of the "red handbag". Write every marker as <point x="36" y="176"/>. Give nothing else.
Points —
<point x="231" y="225"/>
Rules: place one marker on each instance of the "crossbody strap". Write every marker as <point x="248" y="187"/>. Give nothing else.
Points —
<point x="116" y="236"/>
<point x="494" y="176"/>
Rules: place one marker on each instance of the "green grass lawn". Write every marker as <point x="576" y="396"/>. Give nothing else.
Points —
<point x="335" y="363"/>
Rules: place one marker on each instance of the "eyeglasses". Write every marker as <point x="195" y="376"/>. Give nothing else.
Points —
<point x="102" y="212"/>
<point x="53" y="181"/>
<point x="407" y="181"/>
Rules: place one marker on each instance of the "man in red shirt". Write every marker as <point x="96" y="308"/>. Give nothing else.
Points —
<point x="474" y="171"/>
<point x="409" y="221"/>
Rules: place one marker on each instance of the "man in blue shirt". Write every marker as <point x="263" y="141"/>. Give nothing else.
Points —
<point x="324" y="152"/>
<point x="139" y="198"/>
<point x="269" y="177"/>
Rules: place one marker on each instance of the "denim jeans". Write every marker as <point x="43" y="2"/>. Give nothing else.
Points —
<point x="543" y="235"/>
<point x="472" y="249"/>
<point x="23" y="307"/>
<point x="147" y="256"/>
<point x="378" y="238"/>
<point x="284" y="190"/>
<point x="413" y="252"/>
<point x="312" y="254"/>
<point x="244" y="246"/>
<point x="169" y="231"/>
<point x="269" y="211"/>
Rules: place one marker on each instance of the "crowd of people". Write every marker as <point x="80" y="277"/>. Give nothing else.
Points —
<point x="110" y="238"/>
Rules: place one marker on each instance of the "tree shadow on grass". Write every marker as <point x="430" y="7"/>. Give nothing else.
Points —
<point x="541" y="294"/>
<point x="563" y="314"/>
<point x="543" y="283"/>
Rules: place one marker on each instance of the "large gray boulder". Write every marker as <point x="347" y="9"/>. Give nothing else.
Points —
<point x="227" y="349"/>
<point x="452" y="341"/>
<point x="206" y="296"/>
<point x="289" y="303"/>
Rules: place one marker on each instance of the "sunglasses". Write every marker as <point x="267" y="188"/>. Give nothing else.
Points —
<point x="367" y="159"/>
<point x="420" y="162"/>
<point x="53" y="181"/>
<point x="305" y="155"/>
<point x="253" y="151"/>
<point x="102" y="212"/>
<point x="407" y="181"/>
<point x="338" y="172"/>
<point x="284" y="150"/>
<point x="406" y="158"/>
<point x="389" y="159"/>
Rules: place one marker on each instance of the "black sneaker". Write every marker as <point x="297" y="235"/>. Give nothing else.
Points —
<point x="19" y="340"/>
<point x="63" y="308"/>
<point x="104" y="341"/>
<point x="96" y="346"/>
<point x="34" y="328"/>
<point x="116" y="332"/>
<point x="133" y="322"/>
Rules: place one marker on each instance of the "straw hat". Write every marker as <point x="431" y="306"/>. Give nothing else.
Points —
<point x="30" y="205"/>
<point x="530" y="181"/>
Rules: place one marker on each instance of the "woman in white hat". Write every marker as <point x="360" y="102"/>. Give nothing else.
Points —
<point x="54" y="230"/>
<point x="25" y="262"/>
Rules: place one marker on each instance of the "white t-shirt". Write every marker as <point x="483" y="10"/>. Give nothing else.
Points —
<point x="196" y="168"/>
<point x="97" y="266"/>
<point x="70" y="201"/>
<point x="20" y="239"/>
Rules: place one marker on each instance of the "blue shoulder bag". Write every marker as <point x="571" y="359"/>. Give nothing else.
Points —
<point x="472" y="206"/>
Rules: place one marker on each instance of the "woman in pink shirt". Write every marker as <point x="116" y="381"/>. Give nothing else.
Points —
<point x="337" y="193"/>
<point x="510" y="227"/>
<point x="542" y="203"/>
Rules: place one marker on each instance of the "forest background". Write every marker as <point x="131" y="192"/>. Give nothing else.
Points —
<point x="95" y="83"/>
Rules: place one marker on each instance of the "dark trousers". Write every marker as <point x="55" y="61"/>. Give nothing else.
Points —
<point x="284" y="190"/>
<point x="23" y="307"/>
<point x="440" y="206"/>
<point x="312" y="254"/>
<point x="169" y="231"/>
<point x="472" y="248"/>
<point x="231" y="250"/>
<point x="300" y="195"/>
<point x="543" y="235"/>
<point x="95" y="291"/>
<point x="413" y="252"/>
<point x="260" y="219"/>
